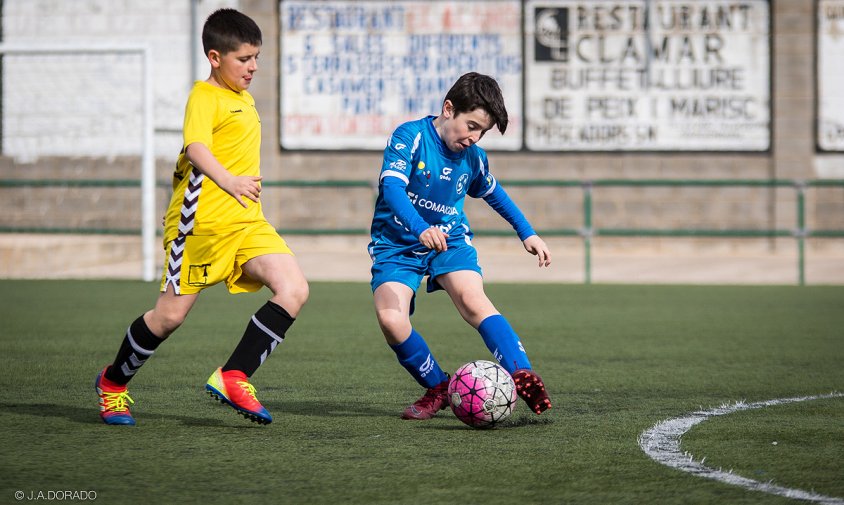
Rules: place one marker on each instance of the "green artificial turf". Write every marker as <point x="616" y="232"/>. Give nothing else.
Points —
<point x="616" y="360"/>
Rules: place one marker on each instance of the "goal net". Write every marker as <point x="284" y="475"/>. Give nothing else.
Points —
<point x="91" y="101"/>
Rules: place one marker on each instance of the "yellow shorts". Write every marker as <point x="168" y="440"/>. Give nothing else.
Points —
<point x="195" y="262"/>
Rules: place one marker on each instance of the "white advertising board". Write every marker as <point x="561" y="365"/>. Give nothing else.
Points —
<point x="647" y="75"/>
<point x="830" y="76"/>
<point x="352" y="71"/>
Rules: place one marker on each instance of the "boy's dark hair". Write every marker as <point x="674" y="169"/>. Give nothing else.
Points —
<point x="473" y="91"/>
<point x="226" y="29"/>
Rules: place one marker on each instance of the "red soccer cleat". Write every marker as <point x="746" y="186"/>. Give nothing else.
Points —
<point x="434" y="400"/>
<point x="114" y="401"/>
<point x="232" y="388"/>
<point x="531" y="389"/>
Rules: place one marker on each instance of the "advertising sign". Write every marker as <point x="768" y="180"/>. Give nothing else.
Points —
<point x="647" y="75"/>
<point x="831" y="75"/>
<point x="352" y="71"/>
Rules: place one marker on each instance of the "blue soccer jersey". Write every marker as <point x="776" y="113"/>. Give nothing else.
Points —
<point x="436" y="181"/>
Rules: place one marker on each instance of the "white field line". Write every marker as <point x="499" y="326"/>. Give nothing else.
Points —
<point x="662" y="444"/>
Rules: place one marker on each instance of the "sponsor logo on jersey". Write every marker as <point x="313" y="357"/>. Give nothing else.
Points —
<point x="446" y="173"/>
<point x="431" y="205"/>
<point x="442" y="208"/>
<point x="399" y="146"/>
<point x="425" y="173"/>
<point x="398" y="165"/>
<point x="446" y="228"/>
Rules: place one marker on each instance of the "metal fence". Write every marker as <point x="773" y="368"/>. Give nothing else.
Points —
<point x="799" y="232"/>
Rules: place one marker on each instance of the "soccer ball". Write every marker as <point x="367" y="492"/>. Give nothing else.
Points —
<point x="482" y="394"/>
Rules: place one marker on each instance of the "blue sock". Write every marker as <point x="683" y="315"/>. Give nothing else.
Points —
<point x="415" y="356"/>
<point x="505" y="345"/>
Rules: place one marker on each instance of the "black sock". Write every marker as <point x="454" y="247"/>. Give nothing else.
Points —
<point x="264" y="332"/>
<point x="138" y="345"/>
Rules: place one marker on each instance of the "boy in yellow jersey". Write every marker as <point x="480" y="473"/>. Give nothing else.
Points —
<point x="215" y="230"/>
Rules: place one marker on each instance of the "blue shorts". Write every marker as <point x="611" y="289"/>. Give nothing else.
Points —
<point x="399" y="264"/>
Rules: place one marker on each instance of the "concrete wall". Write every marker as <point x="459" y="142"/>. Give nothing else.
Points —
<point x="792" y="155"/>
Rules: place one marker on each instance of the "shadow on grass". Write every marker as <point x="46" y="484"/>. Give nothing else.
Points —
<point x="512" y="423"/>
<point x="319" y="408"/>
<point x="90" y="415"/>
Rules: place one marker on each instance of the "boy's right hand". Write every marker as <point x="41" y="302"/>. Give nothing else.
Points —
<point x="434" y="238"/>
<point x="243" y="186"/>
<point x="538" y="248"/>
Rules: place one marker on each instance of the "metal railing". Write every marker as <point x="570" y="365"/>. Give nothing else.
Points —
<point x="800" y="232"/>
<point x="587" y="232"/>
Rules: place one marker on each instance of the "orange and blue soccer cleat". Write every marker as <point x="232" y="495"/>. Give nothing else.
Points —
<point x="434" y="400"/>
<point x="531" y="389"/>
<point x="232" y="388"/>
<point x="114" y="401"/>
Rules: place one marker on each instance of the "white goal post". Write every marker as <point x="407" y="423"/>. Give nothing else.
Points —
<point x="148" y="225"/>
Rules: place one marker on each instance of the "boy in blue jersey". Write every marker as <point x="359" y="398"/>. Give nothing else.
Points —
<point x="419" y="228"/>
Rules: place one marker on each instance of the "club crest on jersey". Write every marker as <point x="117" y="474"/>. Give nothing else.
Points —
<point x="461" y="183"/>
<point x="198" y="274"/>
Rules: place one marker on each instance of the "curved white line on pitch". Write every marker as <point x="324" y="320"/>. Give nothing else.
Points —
<point x="662" y="443"/>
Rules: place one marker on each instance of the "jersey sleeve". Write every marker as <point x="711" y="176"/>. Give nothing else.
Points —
<point x="398" y="154"/>
<point x="396" y="170"/>
<point x="501" y="202"/>
<point x="484" y="182"/>
<point x="485" y="186"/>
<point x="395" y="196"/>
<point x="200" y="112"/>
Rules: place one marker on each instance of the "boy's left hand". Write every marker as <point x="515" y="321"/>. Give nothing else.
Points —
<point x="537" y="247"/>
<point x="243" y="187"/>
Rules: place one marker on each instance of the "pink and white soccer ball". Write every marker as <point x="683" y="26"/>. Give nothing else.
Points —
<point x="482" y="394"/>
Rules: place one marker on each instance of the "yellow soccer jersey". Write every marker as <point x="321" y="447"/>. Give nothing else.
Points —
<point x="228" y="124"/>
